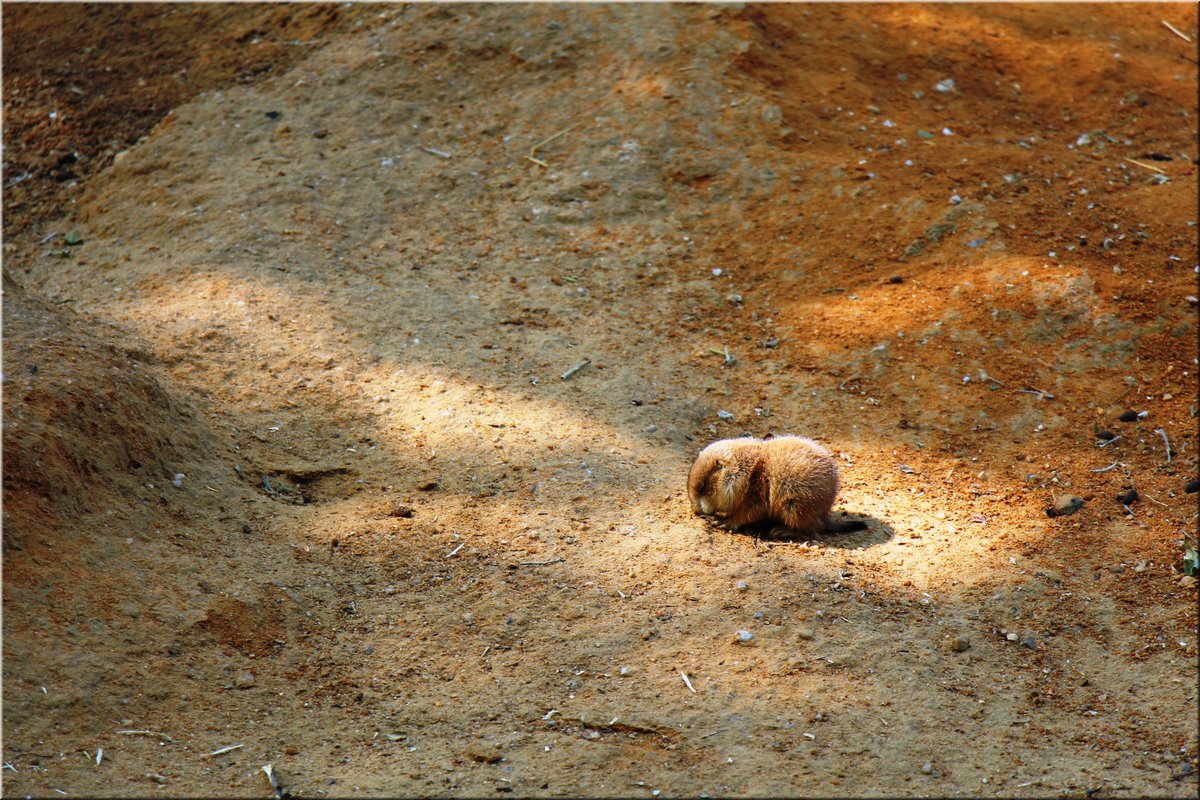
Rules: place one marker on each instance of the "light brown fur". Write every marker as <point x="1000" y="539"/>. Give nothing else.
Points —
<point x="787" y="480"/>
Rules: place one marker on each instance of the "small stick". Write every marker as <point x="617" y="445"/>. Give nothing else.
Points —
<point x="1106" y="469"/>
<point x="683" y="675"/>
<point x="1166" y="441"/>
<point x="222" y="751"/>
<point x="1044" y="394"/>
<point x="48" y="237"/>
<point x="1176" y="31"/>
<point x="1110" y="441"/>
<point x="1147" y="166"/>
<point x="439" y="153"/>
<point x="576" y="368"/>
<point x="455" y="550"/>
<point x="842" y="385"/>
<point x="148" y="733"/>
<point x="99" y="755"/>
<point x="540" y="563"/>
<point x="987" y="377"/>
<point x="276" y="785"/>
<point x="543" y="142"/>
<point x="549" y="139"/>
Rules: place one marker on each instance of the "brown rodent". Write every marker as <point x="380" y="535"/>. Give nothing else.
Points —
<point x="787" y="480"/>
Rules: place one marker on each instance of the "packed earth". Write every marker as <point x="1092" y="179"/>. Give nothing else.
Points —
<point x="355" y="356"/>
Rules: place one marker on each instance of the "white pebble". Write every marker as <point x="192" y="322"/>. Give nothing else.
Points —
<point x="744" y="636"/>
<point x="177" y="481"/>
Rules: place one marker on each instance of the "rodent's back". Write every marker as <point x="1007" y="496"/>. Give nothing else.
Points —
<point x="802" y="482"/>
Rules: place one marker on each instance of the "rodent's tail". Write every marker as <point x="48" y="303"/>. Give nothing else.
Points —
<point x="844" y="526"/>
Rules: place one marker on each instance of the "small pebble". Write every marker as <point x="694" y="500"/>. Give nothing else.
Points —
<point x="177" y="481"/>
<point x="744" y="636"/>
<point x="946" y="85"/>
<point x="1028" y="641"/>
<point x="428" y="486"/>
<point x="771" y="343"/>
<point x="1128" y="498"/>
<point x="927" y="768"/>
<point x="896" y="279"/>
<point x="1128" y="416"/>
<point x="1105" y="436"/>
<point x="482" y="754"/>
<point x="1192" y="487"/>
<point x="725" y="415"/>
<point x="1187" y="581"/>
<point x="1012" y="637"/>
<point x="959" y="643"/>
<point x="401" y="510"/>
<point x="741" y="585"/>
<point x="244" y="680"/>
<point x="1067" y="504"/>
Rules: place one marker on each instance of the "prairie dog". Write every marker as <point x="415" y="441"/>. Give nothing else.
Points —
<point x="788" y="480"/>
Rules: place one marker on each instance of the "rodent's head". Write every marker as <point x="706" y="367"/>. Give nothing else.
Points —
<point x="717" y="480"/>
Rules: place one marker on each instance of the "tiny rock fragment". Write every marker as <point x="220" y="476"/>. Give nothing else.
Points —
<point x="1028" y="641"/>
<point x="482" y="754"/>
<point x="244" y="680"/>
<point x="1105" y="436"/>
<point x="959" y="643"/>
<point x="927" y="768"/>
<point x="401" y="510"/>
<point x="896" y="279"/>
<point x="428" y="486"/>
<point x="1128" y="498"/>
<point x="1192" y="487"/>
<point x="1128" y="416"/>
<point x="1067" y="504"/>
<point x="1012" y="637"/>
<point x="744" y="637"/>
<point x="1187" y="581"/>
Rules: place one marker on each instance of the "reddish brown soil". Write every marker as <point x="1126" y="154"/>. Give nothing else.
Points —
<point x="290" y="466"/>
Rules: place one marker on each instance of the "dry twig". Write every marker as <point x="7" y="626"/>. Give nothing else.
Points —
<point x="1146" y="166"/>
<point x="1176" y="31"/>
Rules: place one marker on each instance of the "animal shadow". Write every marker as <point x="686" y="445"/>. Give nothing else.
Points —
<point x="876" y="532"/>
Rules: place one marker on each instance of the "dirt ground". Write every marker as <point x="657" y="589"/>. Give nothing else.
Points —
<point x="300" y="470"/>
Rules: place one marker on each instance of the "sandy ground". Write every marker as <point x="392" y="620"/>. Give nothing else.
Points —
<point x="299" y="471"/>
